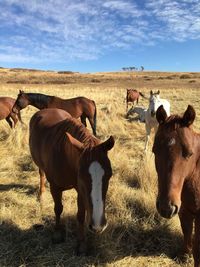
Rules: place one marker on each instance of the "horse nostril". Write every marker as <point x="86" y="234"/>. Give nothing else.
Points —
<point x="176" y="209"/>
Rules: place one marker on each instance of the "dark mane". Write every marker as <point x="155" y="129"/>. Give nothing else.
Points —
<point x="78" y="131"/>
<point x="40" y="99"/>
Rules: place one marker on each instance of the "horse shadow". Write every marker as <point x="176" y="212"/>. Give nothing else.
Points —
<point x="27" y="189"/>
<point x="34" y="247"/>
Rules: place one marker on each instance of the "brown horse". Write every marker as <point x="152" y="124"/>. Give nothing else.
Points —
<point x="177" y="160"/>
<point x="70" y="157"/>
<point x="78" y="107"/>
<point x="6" y="105"/>
<point x="132" y="95"/>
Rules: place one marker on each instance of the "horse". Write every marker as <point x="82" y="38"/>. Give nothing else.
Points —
<point x="78" y="107"/>
<point x="150" y="119"/>
<point x="177" y="160"/>
<point x="70" y="157"/>
<point x="6" y="104"/>
<point x="138" y="110"/>
<point x="132" y="95"/>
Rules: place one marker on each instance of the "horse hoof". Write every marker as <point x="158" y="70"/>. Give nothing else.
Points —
<point x="81" y="249"/>
<point x="58" y="236"/>
<point x="38" y="227"/>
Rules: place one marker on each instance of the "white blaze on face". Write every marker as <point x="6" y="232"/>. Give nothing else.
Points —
<point x="96" y="172"/>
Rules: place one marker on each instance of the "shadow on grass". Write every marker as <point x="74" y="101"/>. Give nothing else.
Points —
<point x="34" y="247"/>
<point x="27" y="189"/>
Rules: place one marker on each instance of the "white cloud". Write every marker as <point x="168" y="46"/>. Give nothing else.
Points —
<point x="60" y="30"/>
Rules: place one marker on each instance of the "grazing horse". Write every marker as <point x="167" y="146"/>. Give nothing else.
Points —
<point x="131" y="96"/>
<point x="6" y="104"/>
<point x="150" y="119"/>
<point x="78" y="107"/>
<point x="177" y="160"/>
<point x="138" y="110"/>
<point x="70" y="157"/>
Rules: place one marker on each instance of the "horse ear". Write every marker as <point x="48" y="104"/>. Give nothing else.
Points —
<point x="74" y="142"/>
<point x="108" y="144"/>
<point x="158" y="92"/>
<point x="151" y="92"/>
<point x="21" y="91"/>
<point x="161" y="115"/>
<point x="189" y="116"/>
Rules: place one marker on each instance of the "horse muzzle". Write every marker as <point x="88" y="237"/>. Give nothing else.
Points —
<point x="98" y="229"/>
<point x="15" y="110"/>
<point x="167" y="209"/>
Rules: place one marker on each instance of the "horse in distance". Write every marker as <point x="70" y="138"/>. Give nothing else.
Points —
<point x="132" y="95"/>
<point x="6" y="105"/>
<point x="177" y="160"/>
<point x="78" y="107"/>
<point x="150" y="119"/>
<point x="70" y="157"/>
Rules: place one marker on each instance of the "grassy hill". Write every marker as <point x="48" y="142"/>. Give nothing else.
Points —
<point x="136" y="235"/>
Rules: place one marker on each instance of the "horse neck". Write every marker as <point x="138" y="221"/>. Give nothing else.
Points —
<point x="79" y="132"/>
<point x="39" y="101"/>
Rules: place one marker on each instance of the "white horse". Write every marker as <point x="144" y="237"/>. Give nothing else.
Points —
<point x="138" y="110"/>
<point x="150" y="115"/>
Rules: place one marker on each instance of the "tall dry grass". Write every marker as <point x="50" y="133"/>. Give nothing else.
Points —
<point x="136" y="235"/>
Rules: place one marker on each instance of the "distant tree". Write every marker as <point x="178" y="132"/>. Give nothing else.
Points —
<point x="142" y="68"/>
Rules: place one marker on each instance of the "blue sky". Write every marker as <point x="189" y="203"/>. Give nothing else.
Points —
<point x="92" y="36"/>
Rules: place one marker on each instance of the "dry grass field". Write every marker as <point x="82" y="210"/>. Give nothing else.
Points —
<point x="136" y="235"/>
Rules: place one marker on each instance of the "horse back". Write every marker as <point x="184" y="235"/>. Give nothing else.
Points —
<point x="51" y="150"/>
<point x="132" y="95"/>
<point x="75" y="106"/>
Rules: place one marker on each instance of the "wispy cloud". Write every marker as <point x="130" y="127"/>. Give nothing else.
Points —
<point x="64" y="30"/>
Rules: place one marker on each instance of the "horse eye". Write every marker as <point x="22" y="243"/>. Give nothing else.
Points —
<point x="187" y="153"/>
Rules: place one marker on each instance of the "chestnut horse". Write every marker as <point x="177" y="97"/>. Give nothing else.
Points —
<point x="78" y="107"/>
<point x="6" y="104"/>
<point x="177" y="160"/>
<point x="131" y="96"/>
<point x="70" y="157"/>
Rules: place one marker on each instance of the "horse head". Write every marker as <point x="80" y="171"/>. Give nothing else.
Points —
<point x="175" y="158"/>
<point x="93" y="179"/>
<point x="21" y="102"/>
<point x="154" y="102"/>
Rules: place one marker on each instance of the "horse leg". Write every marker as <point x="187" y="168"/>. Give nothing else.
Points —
<point x="42" y="184"/>
<point x="9" y="121"/>
<point x="19" y="117"/>
<point x="59" y="234"/>
<point x="81" y="243"/>
<point x="196" y="244"/>
<point x="93" y="125"/>
<point x="14" y="118"/>
<point x="83" y="120"/>
<point x="186" y="220"/>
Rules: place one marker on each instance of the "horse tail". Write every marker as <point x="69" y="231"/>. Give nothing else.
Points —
<point x="143" y="95"/>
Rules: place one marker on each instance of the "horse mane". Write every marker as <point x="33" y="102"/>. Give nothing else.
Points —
<point x="40" y="99"/>
<point x="78" y="131"/>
